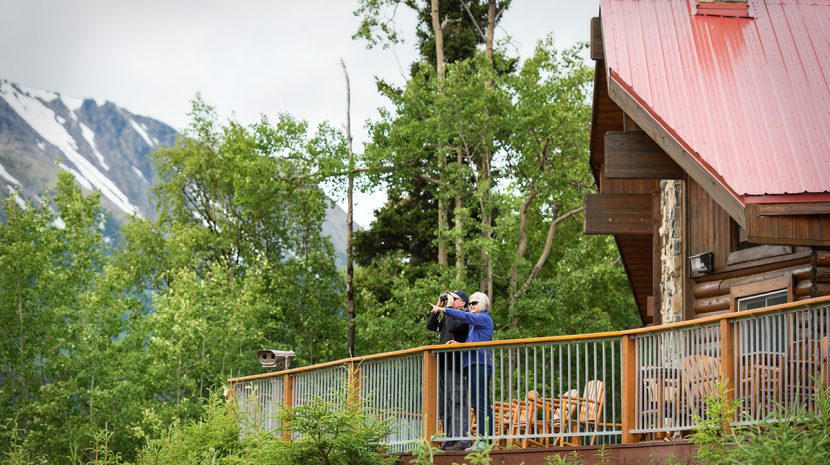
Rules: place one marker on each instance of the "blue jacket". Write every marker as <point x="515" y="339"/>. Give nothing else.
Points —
<point x="481" y="330"/>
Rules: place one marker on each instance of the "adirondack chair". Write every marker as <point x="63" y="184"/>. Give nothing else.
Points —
<point x="801" y="370"/>
<point x="558" y="415"/>
<point x="658" y="405"/>
<point x="700" y="377"/>
<point x="505" y="418"/>
<point x="589" y="409"/>
<point x="537" y="418"/>
<point x="526" y="422"/>
<point x="759" y="380"/>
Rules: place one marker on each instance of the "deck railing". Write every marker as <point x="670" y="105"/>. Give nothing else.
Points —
<point x="603" y="388"/>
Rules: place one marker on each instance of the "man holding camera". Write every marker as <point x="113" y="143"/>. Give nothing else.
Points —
<point x="452" y="401"/>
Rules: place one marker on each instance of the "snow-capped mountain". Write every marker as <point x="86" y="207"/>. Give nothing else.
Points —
<point x="104" y="146"/>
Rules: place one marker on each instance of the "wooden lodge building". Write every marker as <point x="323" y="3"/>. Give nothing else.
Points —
<point x="710" y="146"/>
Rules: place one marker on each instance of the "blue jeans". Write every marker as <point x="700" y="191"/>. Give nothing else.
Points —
<point x="478" y="382"/>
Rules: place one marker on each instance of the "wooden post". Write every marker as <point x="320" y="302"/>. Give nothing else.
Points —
<point x="429" y="394"/>
<point x="727" y="361"/>
<point x="287" y="402"/>
<point x="353" y="389"/>
<point x="629" y="390"/>
<point x="231" y="390"/>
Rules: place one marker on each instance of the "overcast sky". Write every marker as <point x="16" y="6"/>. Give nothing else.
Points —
<point x="246" y="57"/>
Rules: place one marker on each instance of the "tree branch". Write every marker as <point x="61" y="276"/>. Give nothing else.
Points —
<point x="473" y="20"/>
<point x="448" y="20"/>
<point x="548" y="246"/>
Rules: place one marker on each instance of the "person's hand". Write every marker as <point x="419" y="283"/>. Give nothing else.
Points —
<point x="436" y="309"/>
<point x="451" y="341"/>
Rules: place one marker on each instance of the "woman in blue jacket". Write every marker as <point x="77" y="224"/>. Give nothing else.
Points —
<point x="477" y="364"/>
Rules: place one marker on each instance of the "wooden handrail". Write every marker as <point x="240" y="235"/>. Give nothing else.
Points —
<point x="536" y="340"/>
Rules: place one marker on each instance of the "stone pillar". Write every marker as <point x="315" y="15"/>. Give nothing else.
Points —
<point x="671" y="259"/>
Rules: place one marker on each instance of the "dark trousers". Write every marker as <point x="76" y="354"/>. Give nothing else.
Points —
<point x="453" y="409"/>
<point x="478" y="382"/>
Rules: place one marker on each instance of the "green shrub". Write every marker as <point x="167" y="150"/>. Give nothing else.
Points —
<point x="784" y="437"/>
<point x="713" y="440"/>
<point x="328" y="434"/>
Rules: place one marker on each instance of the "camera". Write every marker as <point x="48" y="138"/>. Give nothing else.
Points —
<point x="275" y="359"/>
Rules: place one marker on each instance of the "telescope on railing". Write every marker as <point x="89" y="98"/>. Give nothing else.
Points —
<point x="275" y="359"/>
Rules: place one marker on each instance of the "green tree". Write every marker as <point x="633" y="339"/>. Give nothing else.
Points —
<point x="59" y="365"/>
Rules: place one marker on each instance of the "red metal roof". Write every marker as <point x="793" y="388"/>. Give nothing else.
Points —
<point x="749" y="98"/>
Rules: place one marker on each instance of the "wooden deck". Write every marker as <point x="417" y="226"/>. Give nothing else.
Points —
<point x="625" y="389"/>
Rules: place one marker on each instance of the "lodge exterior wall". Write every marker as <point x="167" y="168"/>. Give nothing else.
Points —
<point x="804" y="271"/>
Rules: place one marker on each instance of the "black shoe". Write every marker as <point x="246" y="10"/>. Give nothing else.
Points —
<point x="457" y="447"/>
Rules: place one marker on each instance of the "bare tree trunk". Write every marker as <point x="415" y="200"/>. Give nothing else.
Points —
<point x="350" y="305"/>
<point x="443" y="255"/>
<point x="459" y="226"/>
<point x="440" y="66"/>
<point x="485" y="188"/>
<point x="521" y="250"/>
<point x="543" y="257"/>
<point x="439" y="42"/>
<point x="491" y="29"/>
<point x="486" y="280"/>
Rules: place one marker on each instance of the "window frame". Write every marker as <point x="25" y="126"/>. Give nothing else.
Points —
<point x="781" y="283"/>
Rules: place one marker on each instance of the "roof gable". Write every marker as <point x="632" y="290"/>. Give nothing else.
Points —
<point x="748" y="98"/>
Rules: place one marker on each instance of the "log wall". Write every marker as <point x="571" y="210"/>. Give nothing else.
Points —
<point x="808" y="269"/>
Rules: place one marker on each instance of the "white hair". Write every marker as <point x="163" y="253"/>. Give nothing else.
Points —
<point x="482" y="299"/>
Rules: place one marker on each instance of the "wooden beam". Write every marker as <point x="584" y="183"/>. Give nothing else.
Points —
<point x="785" y="209"/>
<point x="597" y="51"/>
<point x="618" y="214"/>
<point x="719" y="192"/>
<point x="634" y="155"/>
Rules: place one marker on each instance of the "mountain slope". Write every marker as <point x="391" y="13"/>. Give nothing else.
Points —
<point x="105" y="147"/>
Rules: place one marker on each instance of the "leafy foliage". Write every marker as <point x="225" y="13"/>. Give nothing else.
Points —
<point x="784" y="437"/>
<point x="328" y="434"/>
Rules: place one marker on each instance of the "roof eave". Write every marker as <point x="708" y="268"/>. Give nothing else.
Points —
<point x="676" y="148"/>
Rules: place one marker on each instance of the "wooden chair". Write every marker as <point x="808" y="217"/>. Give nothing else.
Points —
<point x="759" y="382"/>
<point x="659" y="403"/>
<point x="536" y="418"/>
<point x="801" y="370"/>
<point x="517" y="417"/>
<point x="504" y="418"/>
<point x="589" y="409"/>
<point x="557" y="418"/>
<point x="540" y="418"/>
<point x="700" y="377"/>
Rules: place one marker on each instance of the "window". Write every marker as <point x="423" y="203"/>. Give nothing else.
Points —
<point x="762" y="293"/>
<point x="762" y="300"/>
<point x="763" y="338"/>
